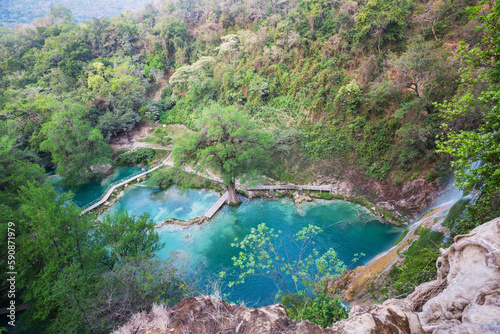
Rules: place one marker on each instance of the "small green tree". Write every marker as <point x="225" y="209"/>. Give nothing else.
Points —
<point x="228" y="143"/>
<point x="263" y="253"/>
<point x="302" y="281"/>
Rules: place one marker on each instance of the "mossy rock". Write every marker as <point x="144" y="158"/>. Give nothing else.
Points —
<point x="235" y="205"/>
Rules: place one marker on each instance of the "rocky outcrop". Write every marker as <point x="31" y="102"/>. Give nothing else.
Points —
<point x="101" y="169"/>
<point x="300" y="198"/>
<point x="465" y="298"/>
<point x="185" y="223"/>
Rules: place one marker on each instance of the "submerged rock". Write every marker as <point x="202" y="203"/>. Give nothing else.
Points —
<point x="464" y="299"/>
<point x="185" y="223"/>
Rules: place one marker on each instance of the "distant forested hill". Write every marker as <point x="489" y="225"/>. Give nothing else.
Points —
<point x="13" y="12"/>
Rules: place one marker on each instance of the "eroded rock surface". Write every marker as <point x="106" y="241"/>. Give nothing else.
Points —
<point x="464" y="299"/>
<point x="101" y="169"/>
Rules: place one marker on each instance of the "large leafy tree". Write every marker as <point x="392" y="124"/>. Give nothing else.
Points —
<point x="75" y="146"/>
<point x="228" y="143"/>
<point x="16" y="169"/>
<point x="85" y="276"/>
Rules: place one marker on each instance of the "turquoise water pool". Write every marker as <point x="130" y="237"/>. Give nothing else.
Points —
<point x="92" y="190"/>
<point x="171" y="203"/>
<point x="347" y="227"/>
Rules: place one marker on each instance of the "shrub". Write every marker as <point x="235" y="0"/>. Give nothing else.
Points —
<point x="321" y="309"/>
<point x="142" y="155"/>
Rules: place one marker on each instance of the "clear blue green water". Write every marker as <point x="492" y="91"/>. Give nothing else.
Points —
<point x="172" y="203"/>
<point x="92" y="190"/>
<point x="348" y="228"/>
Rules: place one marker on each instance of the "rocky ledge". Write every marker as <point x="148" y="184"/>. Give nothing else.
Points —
<point x="465" y="298"/>
<point x="185" y="223"/>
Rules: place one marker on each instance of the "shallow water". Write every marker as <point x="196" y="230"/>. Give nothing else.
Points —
<point x="94" y="189"/>
<point x="172" y="203"/>
<point x="347" y="227"/>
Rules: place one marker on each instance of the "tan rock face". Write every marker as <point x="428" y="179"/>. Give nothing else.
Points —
<point x="101" y="169"/>
<point x="469" y="271"/>
<point x="464" y="299"/>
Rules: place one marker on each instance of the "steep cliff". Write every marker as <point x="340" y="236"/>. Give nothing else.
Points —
<point x="465" y="298"/>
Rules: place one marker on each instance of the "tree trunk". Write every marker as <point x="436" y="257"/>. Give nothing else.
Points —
<point x="232" y="198"/>
<point x="434" y="32"/>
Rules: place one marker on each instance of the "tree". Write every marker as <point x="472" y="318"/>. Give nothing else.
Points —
<point x="264" y="252"/>
<point x="384" y="19"/>
<point x="295" y="269"/>
<point x="52" y="235"/>
<point x="16" y="169"/>
<point x="476" y="147"/>
<point x="75" y="146"/>
<point x="85" y="276"/>
<point x="128" y="237"/>
<point x="228" y="143"/>
<point x="420" y="65"/>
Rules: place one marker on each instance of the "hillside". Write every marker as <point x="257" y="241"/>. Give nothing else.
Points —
<point x="15" y="12"/>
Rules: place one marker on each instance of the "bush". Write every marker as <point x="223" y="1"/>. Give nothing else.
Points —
<point x="321" y="309"/>
<point x="417" y="268"/>
<point x="142" y="155"/>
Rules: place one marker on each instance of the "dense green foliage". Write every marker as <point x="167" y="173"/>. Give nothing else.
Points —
<point x="321" y="309"/>
<point x="228" y="143"/>
<point x="472" y="122"/>
<point x="75" y="146"/>
<point x="86" y="276"/>
<point x="141" y="155"/>
<point x="418" y="267"/>
<point x="348" y="82"/>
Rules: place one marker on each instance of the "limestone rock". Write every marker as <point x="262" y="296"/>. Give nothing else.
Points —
<point x="383" y="319"/>
<point x="101" y="169"/>
<point x="300" y="198"/>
